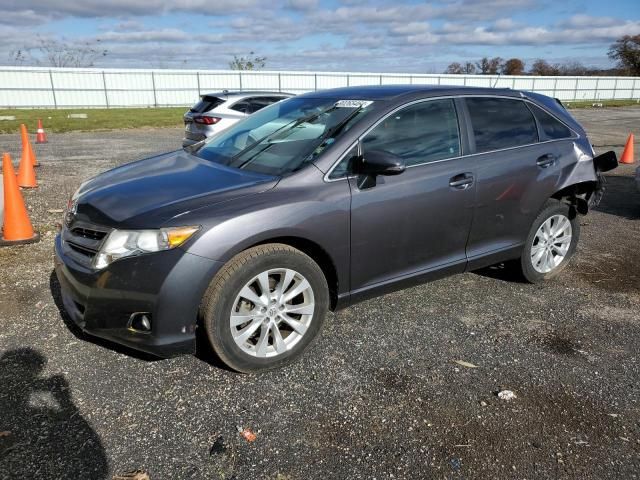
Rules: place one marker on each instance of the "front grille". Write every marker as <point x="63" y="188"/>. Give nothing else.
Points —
<point x="84" y="251"/>
<point x="88" y="233"/>
<point x="84" y="241"/>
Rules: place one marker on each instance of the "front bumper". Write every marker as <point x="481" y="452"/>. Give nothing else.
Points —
<point x="168" y="285"/>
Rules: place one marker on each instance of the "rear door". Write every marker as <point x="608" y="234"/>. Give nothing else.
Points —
<point x="516" y="173"/>
<point x="418" y="221"/>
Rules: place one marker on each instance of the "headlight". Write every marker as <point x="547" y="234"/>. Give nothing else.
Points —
<point x="125" y="243"/>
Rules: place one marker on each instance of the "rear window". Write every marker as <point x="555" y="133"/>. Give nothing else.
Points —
<point x="206" y="104"/>
<point x="501" y="123"/>
<point x="551" y="128"/>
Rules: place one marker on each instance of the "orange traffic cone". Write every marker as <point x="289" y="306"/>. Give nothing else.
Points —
<point x="627" y="154"/>
<point x="17" y="228"/>
<point x="41" y="137"/>
<point x="26" y="173"/>
<point x="27" y="149"/>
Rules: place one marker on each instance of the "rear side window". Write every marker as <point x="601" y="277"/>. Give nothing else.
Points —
<point x="551" y="128"/>
<point x="241" y="107"/>
<point x="259" y="103"/>
<point x="501" y="123"/>
<point x="206" y="104"/>
<point x="253" y="104"/>
<point x="420" y="133"/>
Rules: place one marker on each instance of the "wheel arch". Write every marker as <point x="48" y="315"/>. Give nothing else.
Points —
<point x="317" y="254"/>
<point x="577" y="195"/>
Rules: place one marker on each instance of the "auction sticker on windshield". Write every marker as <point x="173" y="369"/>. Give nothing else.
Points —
<point x="353" y="103"/>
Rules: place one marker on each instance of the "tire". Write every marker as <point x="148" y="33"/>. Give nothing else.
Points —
<point x="237" y="290"/>
<point x="545" y="268"/>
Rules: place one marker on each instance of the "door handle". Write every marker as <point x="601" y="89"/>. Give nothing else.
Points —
<point x="546" y="160"/>
<point x="461" y="181"/>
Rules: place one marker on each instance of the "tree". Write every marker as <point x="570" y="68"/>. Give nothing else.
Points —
<point x="469" y="68"/>
<point x="572" y="68"/>
<point x="250" y="62"/>
<point x="543" y="68"/>
<point x="513" y="66"/>
<point x="489" y="66"/>
<point x="454" y="68"/>
<point x="18" y="57"/>
<point x="61" y="54"/>
<point x="458" y="69"/>
<point x="626" y="50"/>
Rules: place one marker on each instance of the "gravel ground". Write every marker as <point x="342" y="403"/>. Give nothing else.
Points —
<point x="378" y="396"/>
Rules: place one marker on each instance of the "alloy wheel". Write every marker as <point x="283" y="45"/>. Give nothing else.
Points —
<point x="551" y="243"/>
<point x="272" y="312"/>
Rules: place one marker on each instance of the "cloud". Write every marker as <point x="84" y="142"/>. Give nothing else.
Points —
<point x="54" y="9"/>
<point x="587" y="21"/>
<point x="302" y="5"/>
<point x="22" y="17"/>
<point x="355" y="34"/>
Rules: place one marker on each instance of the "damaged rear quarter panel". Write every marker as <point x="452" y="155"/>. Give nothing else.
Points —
<point x="577" y="164"/>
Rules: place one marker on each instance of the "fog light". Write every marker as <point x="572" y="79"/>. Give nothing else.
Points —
<point x="140" y="322"/>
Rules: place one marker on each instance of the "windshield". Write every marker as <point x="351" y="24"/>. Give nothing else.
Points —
<point x="285" y="136"/>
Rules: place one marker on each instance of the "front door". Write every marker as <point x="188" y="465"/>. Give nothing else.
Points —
<point x="419" y="220"/>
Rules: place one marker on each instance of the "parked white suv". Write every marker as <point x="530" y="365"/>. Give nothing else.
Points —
<point x="218" y="111"/>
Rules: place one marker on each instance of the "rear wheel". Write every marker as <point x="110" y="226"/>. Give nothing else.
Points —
<point x="551" y="242"/>
<point x="265" y="307"/>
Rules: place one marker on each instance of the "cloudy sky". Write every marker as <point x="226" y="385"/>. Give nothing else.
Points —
<point x="337" y="35"/>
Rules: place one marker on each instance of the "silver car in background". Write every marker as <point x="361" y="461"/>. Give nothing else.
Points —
<point x="218" y="111"/>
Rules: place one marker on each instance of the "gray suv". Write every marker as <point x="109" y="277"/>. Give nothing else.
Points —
<point x="318" y="202"/>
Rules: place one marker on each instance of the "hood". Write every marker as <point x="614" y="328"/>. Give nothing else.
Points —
<point x="149" y="192"/>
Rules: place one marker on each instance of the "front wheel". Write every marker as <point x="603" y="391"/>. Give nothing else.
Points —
<point x="551" y="242"/>
<point x="265" y="307"/>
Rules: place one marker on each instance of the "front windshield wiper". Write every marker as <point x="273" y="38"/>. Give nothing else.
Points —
<point x="338" y="126"/>
<point x="326" y="135"/>
<point x="291" y="125"/>
<point x="330" y="133"/>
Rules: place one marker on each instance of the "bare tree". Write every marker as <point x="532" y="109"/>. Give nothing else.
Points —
<point x="626" y="50"/>
<point x="250" y="62"/>
<point x="571" y="68"/>
<point x="489" y="66"/>
<point x="469" y="68"/>
<point x="62" y="54"/>
<point x="454" y="68"/>
<point x="543" y="68"/>
<point x="513" y="66"/>
<point x="458" y="69"/>
<point x="18" y="57"/>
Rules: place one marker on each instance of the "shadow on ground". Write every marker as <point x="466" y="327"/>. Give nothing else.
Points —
<point x="505" y="271"/>
<point x="621" y="198"/>
<point x="42" y="433"/>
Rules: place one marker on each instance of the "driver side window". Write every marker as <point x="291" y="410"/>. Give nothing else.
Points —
<point x="420" y="133"/>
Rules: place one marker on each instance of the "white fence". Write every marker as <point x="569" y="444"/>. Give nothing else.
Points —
<point x="33" y="87"/>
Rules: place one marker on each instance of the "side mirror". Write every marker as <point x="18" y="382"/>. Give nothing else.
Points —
<point x="379" y="162"/>
<point x="374" y="163"/>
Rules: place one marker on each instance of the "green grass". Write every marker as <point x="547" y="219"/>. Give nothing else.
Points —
<point x="97" y="119"/>
<point x="118" y="118"/>
<point x="605" y="103"/>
